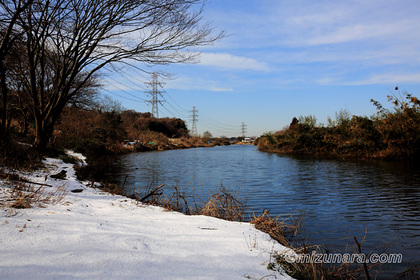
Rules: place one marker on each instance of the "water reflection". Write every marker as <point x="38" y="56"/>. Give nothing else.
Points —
<point x="342" y="198"/>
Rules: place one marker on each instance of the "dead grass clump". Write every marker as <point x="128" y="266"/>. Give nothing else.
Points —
<point x="271" y="226"/>
<point x="8" y="176"/>
<point x="317" y="263"/>
<point x="24" y="195"/>
<point x="279" y="230"/>
<point x="50" y="196"/>
<point x="224" y="205"/>
<point x="283" y="231"/>
<point x="21" y="195"/>
<point x="311" y="270"/>
<point x="177" y="201"/>
<point x="21" y="203"/>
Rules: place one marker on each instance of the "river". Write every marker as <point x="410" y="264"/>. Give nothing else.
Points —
<point x="340" y="198"/>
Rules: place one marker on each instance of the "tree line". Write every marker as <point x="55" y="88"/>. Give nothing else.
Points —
<point x="52" y="52"/>
<point x="392" y="133"/>
<point x="97" y="132"/>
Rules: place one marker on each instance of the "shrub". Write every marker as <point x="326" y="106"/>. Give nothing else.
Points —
<point x="20" y="156"/>
<point x="224" y="205"/>
<point x="400" y="127"/>
<point x="390" y="134"/>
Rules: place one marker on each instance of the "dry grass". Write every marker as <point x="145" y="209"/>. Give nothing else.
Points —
<point x="20" y="157"/>
<point x="177" y="201"/>
<point x="412" y="272"/>
<point x="275" y="228"/>
<point x="283" y="231"/>
<point x="316" y="271"/>
<point x="23" y="195"/>
<point x="224" y="205"/>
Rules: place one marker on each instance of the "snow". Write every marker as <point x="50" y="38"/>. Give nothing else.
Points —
<point x="95" y="235"/>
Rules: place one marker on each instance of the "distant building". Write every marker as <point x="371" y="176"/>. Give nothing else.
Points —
<point x="247" y="140"/>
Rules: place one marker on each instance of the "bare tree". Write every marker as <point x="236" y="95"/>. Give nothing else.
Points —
<point x="71" y="40"/>
<point x="107" y="104"/>
<point x="10" y="12"/>
<point x="207" y="134"/>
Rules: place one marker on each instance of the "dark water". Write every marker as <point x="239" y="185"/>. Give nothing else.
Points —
<point x="341" y="198"/>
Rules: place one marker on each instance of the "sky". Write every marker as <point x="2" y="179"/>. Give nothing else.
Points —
<point x="284" y="59"/>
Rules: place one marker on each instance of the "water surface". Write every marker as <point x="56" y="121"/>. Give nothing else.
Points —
<point x="341" y="198"/>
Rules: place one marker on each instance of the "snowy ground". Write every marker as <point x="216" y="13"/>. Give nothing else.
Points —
<point x="95" y="235"/>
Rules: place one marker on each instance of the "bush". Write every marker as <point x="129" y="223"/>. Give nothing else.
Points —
<point x="20" y="156"/>
<point x="224" y="205"/>
<point x="400" y="128"/>
<point x="390" y="134"/>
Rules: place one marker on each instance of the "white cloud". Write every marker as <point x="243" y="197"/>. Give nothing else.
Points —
<point x="383" y="54"/>
<point x="389" y="79"/>
<point x="219" y="89"/>
<point x="350" y="37"/>
<point x="195" y="83"/>
<point x="225" y="60"/>
<point x="325" y="81"/>
<point x="363" y="31"/>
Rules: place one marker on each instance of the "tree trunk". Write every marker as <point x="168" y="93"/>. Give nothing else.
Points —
<point x="4" y="137"/>
<point x="4" y="50"/>
<point x="43" y="132"/>
<point x="41" y="140"/>
<point x="44" y="124"/>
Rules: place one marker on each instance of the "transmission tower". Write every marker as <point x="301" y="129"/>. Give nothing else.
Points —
<point x="243" y="129"/>
<point x="194" y="119"/>
<point x="155" y="85"/>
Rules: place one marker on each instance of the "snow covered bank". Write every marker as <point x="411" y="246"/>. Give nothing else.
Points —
<point x="94" y="235"/>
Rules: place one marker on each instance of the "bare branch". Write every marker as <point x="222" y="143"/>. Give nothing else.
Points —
<point x="65" y="38"/>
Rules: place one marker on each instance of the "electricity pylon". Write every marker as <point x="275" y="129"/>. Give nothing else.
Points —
<point x="155" y="85"/>
<point x="194" y="119"/>
<point x="243" y="129"/>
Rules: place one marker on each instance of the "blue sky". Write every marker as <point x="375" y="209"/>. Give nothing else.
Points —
<point x="283" y="59"/>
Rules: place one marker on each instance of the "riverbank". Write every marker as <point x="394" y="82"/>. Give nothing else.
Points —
<point x="75" y="231"/>
<point x="339" y="198"/>
<point x="176" y="143"/>
<point x="391" y="134"/>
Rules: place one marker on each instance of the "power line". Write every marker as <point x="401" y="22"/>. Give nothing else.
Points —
<point x="220" y="124"/>
<point x="166" y="112"/>
<point x="178" y="112"/>
<point x="181" y="111"/>
<point x="213" y="127"/>
<point x="123" y="97"/>
<point x="130" y="85"/>
<point x="206" y="122"/>
<point x="137" y="99"/>
<point x="132" y="78"/>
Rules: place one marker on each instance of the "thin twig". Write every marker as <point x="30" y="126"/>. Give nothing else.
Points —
<point x="364" y="263"/>
<point x="153" y="192"/>
<point x="30" y="182"/>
